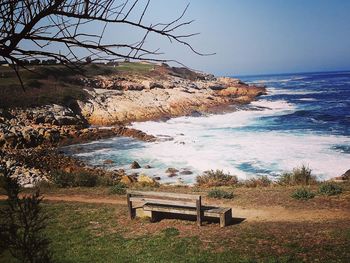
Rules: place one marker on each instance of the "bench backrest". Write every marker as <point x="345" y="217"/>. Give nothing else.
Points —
<point x="163" y="198"/>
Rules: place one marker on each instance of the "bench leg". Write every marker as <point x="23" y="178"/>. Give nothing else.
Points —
<point x="154" y="216"/>
<point x="132" y="211"/>
<point x="225" y="218"/>
<point x="199" y="212"/>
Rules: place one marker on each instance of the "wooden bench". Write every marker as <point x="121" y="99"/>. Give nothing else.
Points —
<point x="184" y="204"/>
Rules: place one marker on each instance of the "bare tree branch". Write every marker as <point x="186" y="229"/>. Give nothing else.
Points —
<point x="64" y="22"/>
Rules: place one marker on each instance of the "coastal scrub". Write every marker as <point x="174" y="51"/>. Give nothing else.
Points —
<point x="216" y="178"/>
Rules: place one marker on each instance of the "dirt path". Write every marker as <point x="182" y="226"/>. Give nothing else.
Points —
<point x="268" y="214"/>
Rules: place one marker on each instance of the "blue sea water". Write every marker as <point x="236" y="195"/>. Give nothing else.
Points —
<point x="304" y="119"/>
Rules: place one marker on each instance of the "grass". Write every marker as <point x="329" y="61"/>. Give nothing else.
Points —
<point x="135" y="67"/>
<point x="119" y="189"/>
<point x="102" y="233"/>
<point x="220" y="194"/>
<point x="55" y="83"/>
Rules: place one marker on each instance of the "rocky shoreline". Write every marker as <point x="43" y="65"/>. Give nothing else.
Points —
<point x="29" y="137"/>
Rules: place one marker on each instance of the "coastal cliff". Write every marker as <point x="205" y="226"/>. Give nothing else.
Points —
<point x="115" y="101"/>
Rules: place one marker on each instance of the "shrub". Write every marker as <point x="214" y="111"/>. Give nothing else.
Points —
<point x="217" y="193"/>
<point x="303" y="194"/>
<point x="299" y="176"/>
<point x="216" y="178"/>
<point x="63" y="179"/>
<point x="119" y="189"/>
<point x="23" y="224"/>
<point x="330" y="189"/>
<point x="81" y="178"/>
<point x="85" y="179"/>
<point x="262" y="181"/>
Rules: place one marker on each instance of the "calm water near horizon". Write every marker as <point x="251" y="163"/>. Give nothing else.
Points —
<point x="304" y="119"/>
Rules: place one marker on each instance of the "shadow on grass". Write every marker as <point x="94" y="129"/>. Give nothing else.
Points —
<point x="206" y="220"/>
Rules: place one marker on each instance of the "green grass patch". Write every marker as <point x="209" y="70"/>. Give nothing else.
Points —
<point x="135" y="67"/>
<point x="303" y="194"/>
<point x="220" y="194"/>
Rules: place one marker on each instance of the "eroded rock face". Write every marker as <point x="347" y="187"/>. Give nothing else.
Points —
<point x="147" y="99"/>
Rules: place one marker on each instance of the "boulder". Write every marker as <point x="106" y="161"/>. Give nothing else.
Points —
<point x="156" y="85"/>
<point x="146" y="180"/>
<point x="126" y="179"/>
<point x="346" y="175"/>
<point x="186" y="172"/>
<point x="135" y="165"/>
<point x="171" y="170"/>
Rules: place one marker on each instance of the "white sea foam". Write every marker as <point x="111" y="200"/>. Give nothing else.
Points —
<point x="308" y="99"/>
<point x="214" y="142"/>
<point x="226" y="142"/>
<point x="274" y="91"/>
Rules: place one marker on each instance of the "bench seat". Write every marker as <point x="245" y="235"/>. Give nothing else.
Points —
<point x="223" y="213"/>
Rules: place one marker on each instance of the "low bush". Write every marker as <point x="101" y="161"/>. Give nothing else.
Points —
<point x="262" y="181"/>
<point x="303" y="194"/>
<point x="299" y="176"/>
<point x="85" y="179"/>
<point x="216" y="178"/>
<point x="119" y="189"/>
<point x="217" y="193"/>
<point x="330" y="189"/>
<point x="79" y="178"/>
<point x="62" y="179"/>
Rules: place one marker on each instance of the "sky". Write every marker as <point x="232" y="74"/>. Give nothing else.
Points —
<point x="262" y="37"/>
<point x="252" y="36"/>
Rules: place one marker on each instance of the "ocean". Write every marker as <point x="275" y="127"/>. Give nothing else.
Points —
<point x="304" y="120"/>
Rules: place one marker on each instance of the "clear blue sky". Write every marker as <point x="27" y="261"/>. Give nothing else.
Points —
<point x="269" y="36"/>
<point x="256" y="36"/>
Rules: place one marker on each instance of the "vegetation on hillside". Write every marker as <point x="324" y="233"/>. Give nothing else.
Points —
<point x="47" y="84"/>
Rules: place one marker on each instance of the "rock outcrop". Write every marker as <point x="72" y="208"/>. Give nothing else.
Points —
<point x="117" y="101"/>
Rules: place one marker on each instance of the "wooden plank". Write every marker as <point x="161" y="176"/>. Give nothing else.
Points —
<point x="217" y="210"/>
<point x="164" y="194"/>
<point x="169" y="209"/>
<point x="199" y="211"/>
<point x="162" y="201"/>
